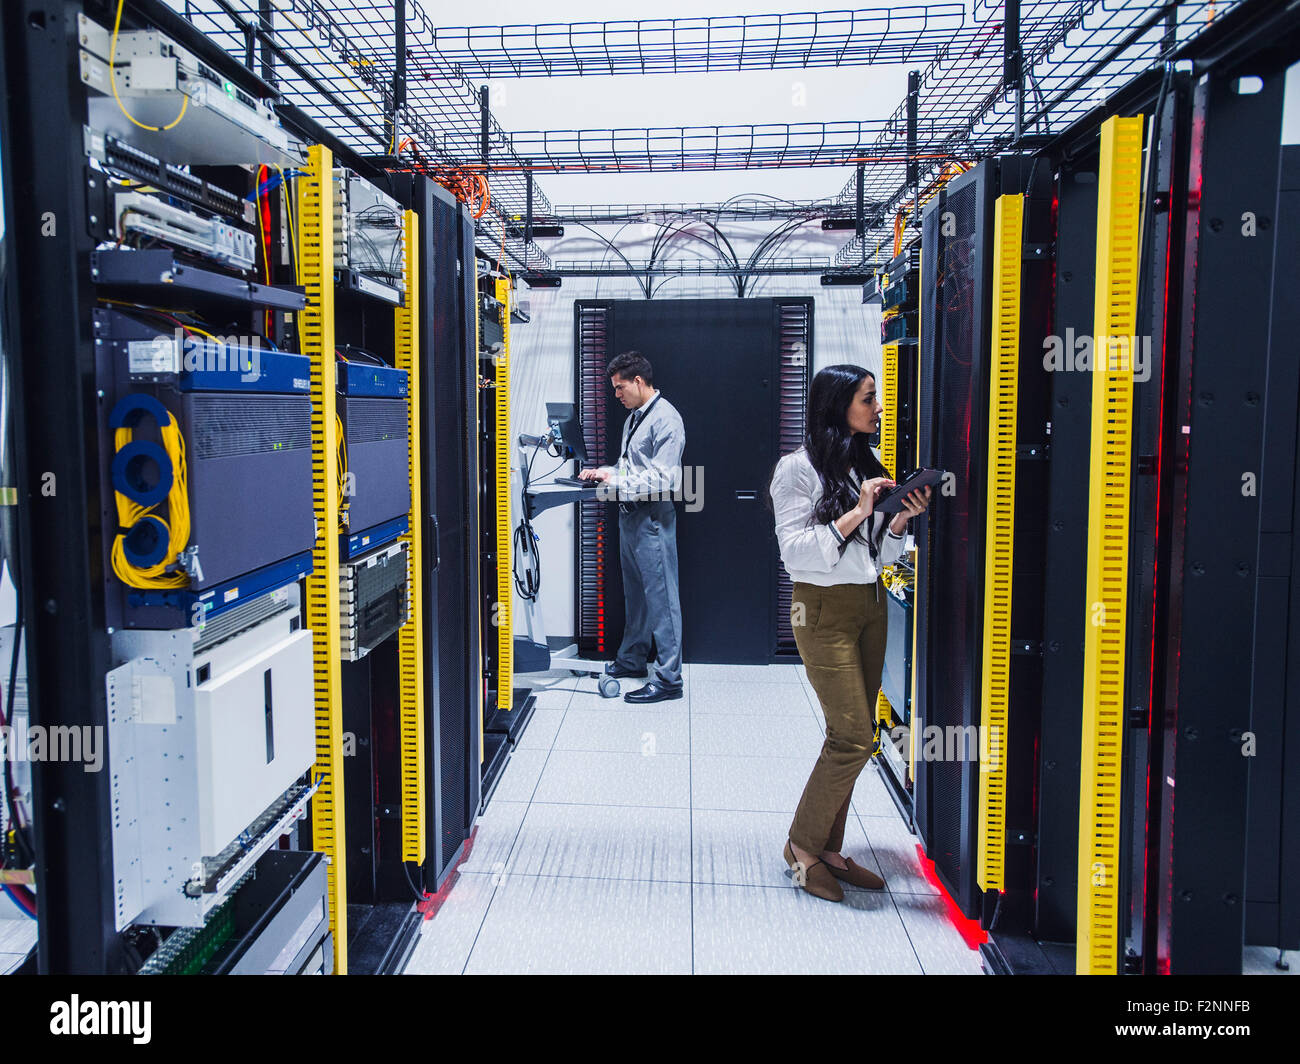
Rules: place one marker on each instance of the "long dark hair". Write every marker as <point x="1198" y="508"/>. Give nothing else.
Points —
<point x="834" y="449"/>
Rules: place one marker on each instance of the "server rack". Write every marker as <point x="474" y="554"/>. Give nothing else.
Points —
<point x="375" y="331"/>
<point x="1273" y="848"/>
<point x="1130" y="886"/>
<point x="57" y="469"/>
<point x="450" y="489"/>
<point x="1195" y="915"/>
<point x="953" y="388"/>
<point x="986" y="427"/>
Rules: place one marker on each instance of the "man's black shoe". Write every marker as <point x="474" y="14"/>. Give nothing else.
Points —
<point x="654" y="691"/>
<point x="619" y="671"/>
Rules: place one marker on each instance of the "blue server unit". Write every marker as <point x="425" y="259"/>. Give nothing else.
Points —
<point x="244" y="416"/>
<point x="371" y="379"/>
<point x="373" y="408"/>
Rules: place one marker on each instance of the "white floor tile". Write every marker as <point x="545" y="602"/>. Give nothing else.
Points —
<point x="743" y="673"/>
<point x="871" y="797"/>
<point x="17" y="933"/>
<point x="554" y="696"/>
<point x="771" y="784"/>
<point x="938" y="944"/>
<point x="896" y="855"/>
<point x="784" y="930"/>
<point x="1262" y="960"/>
<point x="624" y="729"/>
<point x="558" y="925"/>
<point x="604" y="842"/>
<point x="541" y="730"/>
<point x="744" y="848"/>
<point x="749" y="699"/>
<point x="585" y="778"/>
<point x="445" y="941"/>
<point x="496" y="830"/>
<point x="519" y="777"/>
<point x="732" y="735"/>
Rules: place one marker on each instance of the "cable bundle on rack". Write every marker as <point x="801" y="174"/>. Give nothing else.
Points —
<point x="467" y="186"/>
<point x="148" y="546"/>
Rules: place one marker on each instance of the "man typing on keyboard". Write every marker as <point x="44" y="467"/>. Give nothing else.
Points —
<point x="648" y="474"/>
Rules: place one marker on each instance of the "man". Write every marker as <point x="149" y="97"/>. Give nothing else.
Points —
<point x="648" y="473"/>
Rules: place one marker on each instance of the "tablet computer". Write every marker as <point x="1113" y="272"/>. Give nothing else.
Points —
<point x="891" y="502"/>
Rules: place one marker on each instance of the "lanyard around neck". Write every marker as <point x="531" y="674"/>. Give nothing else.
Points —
<point x="637" y="422"/>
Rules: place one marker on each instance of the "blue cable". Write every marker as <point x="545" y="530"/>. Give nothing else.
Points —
<point x="272" y="183"/>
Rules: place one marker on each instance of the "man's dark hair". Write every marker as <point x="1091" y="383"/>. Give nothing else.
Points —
<point x="631" y="364"/>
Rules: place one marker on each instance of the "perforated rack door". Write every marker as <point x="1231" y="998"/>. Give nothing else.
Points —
<point x="316" y="335"/>
<point x="796" y="340"/>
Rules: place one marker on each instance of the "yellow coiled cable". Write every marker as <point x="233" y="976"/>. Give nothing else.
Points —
<point x="343" y="469"/>
<point x="177" y="523"/>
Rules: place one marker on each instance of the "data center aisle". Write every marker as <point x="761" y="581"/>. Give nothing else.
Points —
<point x="630" y="839"/>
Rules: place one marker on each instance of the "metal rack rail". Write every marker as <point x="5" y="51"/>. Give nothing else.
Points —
<point x="904" y="33"/>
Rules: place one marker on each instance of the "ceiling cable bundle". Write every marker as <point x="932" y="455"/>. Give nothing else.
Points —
<point x="469" y="187"/>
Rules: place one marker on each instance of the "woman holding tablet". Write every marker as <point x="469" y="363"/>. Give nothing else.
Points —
<point x="834" y="546"/>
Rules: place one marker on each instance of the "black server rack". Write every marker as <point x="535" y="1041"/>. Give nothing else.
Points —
<point x="449" y="465"/>
<point x="957" y="266"/>
<point x="952" y="435"/>
<point x="1197" y="842"/>
<point x="1273" y="843"/>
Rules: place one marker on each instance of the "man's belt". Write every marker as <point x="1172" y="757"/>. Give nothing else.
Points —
<point x="632" y="505"/>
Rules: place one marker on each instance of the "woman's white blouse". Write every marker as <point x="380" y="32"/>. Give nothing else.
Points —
<point x="811" y="551"/>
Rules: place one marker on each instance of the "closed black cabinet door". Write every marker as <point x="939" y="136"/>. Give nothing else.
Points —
<point x="717" y="362"/>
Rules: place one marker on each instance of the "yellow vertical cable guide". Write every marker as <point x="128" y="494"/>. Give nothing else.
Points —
<point x="476" y="465"/>
<point x="410" y="637"/>
<point x="999" y="540"/>
<point x="889" y="399"/>
<point x="884" y="711"/>
<point x="1115" y="313"/>
<point x="889" y="459"/>
<point x="505" y="553"/>
<point x="316" y="337"/>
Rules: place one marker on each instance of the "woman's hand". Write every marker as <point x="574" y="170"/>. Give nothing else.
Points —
<point x="914" y="504"/>
<point x="869" y="491"/>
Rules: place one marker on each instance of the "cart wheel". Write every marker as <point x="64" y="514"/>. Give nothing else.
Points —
<point x="608" y="687"/>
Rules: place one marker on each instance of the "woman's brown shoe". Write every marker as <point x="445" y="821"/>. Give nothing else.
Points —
<point x="857" y="876"/>
<point x="814" y="878"/>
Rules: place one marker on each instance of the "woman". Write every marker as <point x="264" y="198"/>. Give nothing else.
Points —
<point x="834" y="548"/>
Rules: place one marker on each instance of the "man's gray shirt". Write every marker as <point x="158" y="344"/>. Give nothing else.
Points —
<point x="653" y="466"/>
